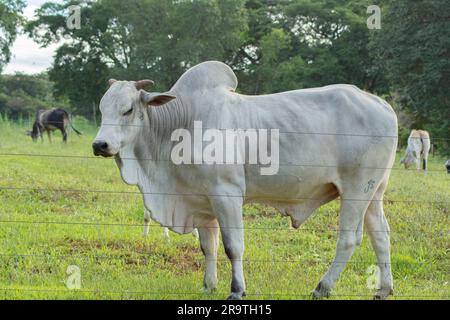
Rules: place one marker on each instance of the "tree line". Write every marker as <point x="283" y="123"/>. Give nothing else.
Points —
<point x="271" y="45"/>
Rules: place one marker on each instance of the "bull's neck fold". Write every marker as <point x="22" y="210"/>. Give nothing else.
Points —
<point x="162" y="121"/>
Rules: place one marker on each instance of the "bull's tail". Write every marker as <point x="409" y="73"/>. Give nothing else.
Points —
<point x="73" y="128"/>
<point x="424" y="164"/>
<point x="76" y="131"/>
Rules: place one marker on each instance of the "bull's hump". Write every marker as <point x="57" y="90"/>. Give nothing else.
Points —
<point x="209" y="74"/>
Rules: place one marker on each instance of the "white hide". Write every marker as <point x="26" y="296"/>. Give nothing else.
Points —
<point x="335" y="141"/>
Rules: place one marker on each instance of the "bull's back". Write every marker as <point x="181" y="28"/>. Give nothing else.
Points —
<point x="343" y="108"/>
<point x="54" y="118"/>
<point x="336" y="118"/>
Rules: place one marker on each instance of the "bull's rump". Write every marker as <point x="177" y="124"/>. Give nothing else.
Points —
<point x="419" y="140"/>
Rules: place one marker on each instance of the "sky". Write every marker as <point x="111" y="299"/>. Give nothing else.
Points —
<point x="27" y="57"/>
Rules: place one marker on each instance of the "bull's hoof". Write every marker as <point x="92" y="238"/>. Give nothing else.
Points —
<point x="209" y="290"/>
<point x="321" y="292"/>
<point x="295" y="223"/>
<point x="236" y="296"/>
<point x="209" y="284"/>
<point x="383" y="294"/>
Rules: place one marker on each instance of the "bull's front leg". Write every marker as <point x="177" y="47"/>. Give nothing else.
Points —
<point x="209" y="242"/>
<point x="147" y="217"/>
<point x="229" y="214"/>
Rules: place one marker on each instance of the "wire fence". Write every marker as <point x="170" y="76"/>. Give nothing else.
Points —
<point x="240" y="196"/>
<point x="269" y="261"/>
<point x="443" y="233"/>
<point x="213" y="294"/>
<point x="348" y="134"/>
<point x="149" y="126"/>
<point x="306" y="165"/>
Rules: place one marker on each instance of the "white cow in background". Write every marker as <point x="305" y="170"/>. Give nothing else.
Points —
<point x="147" y="219"/>
<point x="419" y="144"/>
<point x="334" y="142"/>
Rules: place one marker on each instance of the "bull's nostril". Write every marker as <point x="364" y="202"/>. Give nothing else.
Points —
<point x="99" y="147"/>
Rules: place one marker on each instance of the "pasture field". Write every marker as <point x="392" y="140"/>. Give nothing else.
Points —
<point x="61" y="207"/>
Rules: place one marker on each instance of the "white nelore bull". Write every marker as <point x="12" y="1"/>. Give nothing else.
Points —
<point x="419" y="144"/>
<point x="335" y="141"/>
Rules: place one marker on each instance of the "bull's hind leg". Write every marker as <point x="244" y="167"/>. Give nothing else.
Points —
<point x="418" y="157"/>
<point x="378" y="231"/>
<point x="425" y="161"/>
<point x="353" y="208"/>
<point x="49" y="134"/>
<point x="64" y="134"/>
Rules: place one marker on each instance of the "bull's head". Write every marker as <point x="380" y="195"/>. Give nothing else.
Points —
<point x="123" y="114"/>
<point x="408" y="160"/>
<point x="34" y="134"/>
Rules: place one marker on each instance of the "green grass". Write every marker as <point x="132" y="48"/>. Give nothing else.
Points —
<point x="101" y="233"/>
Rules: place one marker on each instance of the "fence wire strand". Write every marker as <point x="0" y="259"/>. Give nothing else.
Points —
<point x="176" y="194"/>
<point x="306" y="165"/>
<point x="29" y="123"/>
<point x="142" y="256"/>
<point x="205" y="227"/>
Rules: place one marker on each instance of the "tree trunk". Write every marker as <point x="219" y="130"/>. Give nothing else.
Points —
<point x="94" y="113"/>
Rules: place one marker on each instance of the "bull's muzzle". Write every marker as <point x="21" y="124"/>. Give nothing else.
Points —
<point x="101" y="148"/>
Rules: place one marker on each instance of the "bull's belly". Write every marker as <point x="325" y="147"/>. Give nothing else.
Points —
<point x="289" y="186"/>
<point x="51" y="128"/>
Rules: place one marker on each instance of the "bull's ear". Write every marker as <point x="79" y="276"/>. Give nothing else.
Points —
<point x="155" y="98"/>
<point x="141" y="84"/>
<point x="111" y="81"/>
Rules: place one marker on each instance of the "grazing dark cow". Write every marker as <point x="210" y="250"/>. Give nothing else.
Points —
<point x="51" y="120"/>
<point x="447" y="165"/>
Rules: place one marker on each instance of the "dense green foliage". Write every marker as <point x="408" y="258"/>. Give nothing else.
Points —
<point x="135" y="39"/>
<point x="22" y="95"/>
<point x="415" y="54"/>
<point x="272" y="46"/>
<point x="300" y="44"/>
<point x="10" y="19"/>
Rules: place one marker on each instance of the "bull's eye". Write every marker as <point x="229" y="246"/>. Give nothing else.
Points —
<point x="128" y="112"/>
